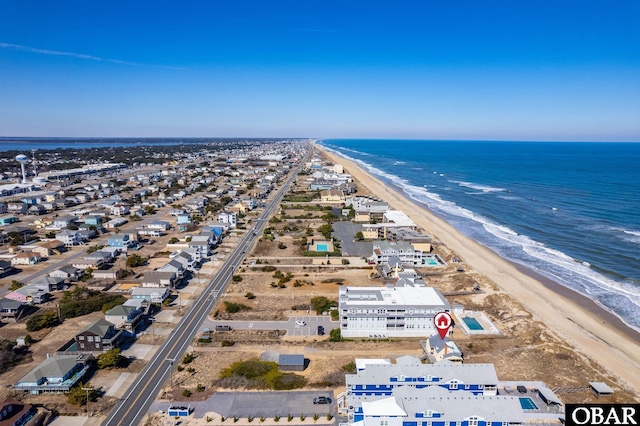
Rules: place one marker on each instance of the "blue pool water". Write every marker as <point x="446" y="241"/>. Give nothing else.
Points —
<point x="322" y="247"/>
<point x="528" y="404"/>
<point x="472" y="323"/>
<point x="431" y="262"/>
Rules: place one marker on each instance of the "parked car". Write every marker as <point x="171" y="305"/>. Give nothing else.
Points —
<point x="301" y="323"/>
<point x="322" y="400"/>
<point x="320" y="330"/>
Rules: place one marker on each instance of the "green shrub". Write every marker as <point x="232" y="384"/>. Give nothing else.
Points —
<point x="186" y="393"/>
<point x="233" y="308"/>
<point x="250" y="295"/>
<point x="46" y="320"/>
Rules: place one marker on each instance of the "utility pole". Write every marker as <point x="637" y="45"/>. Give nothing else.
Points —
<point x="87" y="389"/>
<point x="171" y="361"/>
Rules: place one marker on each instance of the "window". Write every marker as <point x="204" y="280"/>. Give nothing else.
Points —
<point x="453" y="385"/>
<point x="384" y="422"/>
<point x="80" y="337"/>
<point x="473" y="421"/>
<point x="428" y="413"/>
<point x="90" y="338"/>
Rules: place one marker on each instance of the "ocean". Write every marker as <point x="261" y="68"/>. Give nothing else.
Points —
<point x="568" y="210"/>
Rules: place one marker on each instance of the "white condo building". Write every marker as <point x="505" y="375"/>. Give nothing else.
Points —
<point x="391" y="311"/>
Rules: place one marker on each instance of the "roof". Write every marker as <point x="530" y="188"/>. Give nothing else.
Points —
<point x="100" y="327"/>
<point x="9" y="304"/>
<point x="120" y="310"/>
<point x="378" y="374"/>
<point x="56" y="366"/>
<point x="383" y="407"/>
<point x="549" y="395"/>
<point x="290" y="359"/>
<point x="600" y="387"/>
<point x="455" y="406"/>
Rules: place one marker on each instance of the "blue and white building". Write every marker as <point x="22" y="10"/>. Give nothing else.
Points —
<point x="409" y="393"/>
<point x="434" y="406"/>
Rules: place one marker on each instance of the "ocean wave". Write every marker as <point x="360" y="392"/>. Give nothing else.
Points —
<point x="627" y="235"/>
<point x="478" y="187"/>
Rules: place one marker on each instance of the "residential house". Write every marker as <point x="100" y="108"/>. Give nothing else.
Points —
<point x="118" y="210"/>
<point x="88" y="263"/>
<point x="120" y="240"/>
<point x="48" y="248"/>
<point x="187" y="261"/>
<point x="159" y="225"/>
<point x="402" y="250"/>
<point x="49" y="283"/>
<point x="175" y="267"/>
<point x="159" y="279"/>
<point x="6" y="268"/>
<point x="98" y="337"/>
<point x="17" y="208"/>
<point x="228" y="218"/>
<point x="16" y="413"/>
<point x="153" y="295"/>
<point x="69" y="273"/>
<point x="8" y="220"/>
<point x="26" y="258"/>
<point x="36" y="209"/>
<point x="438" y="349"/>
<point x="56" y="374"/>
<point x="69" y="238"/>
<point x="11" y="309"/>
<point x="183" y="218"/>
<point x="332" y="196"/>
<point x="29" y="294"/>
<point x="93" y="220"/>
<point x="115" y="223"/>
<point x="124" y="316"/>
<point x="63" y="222"/>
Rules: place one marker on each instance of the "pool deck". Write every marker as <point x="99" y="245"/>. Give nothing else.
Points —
<point x="485" y="323"/>
<point x="544" y="411"/>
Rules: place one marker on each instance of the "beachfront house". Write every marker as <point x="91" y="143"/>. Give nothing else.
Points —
<point x="405" y="309"/>
<point x="435" y="406"/>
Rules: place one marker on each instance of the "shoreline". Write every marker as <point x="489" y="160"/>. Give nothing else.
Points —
<point x="580" y="299"/>
<point x="578" y="320"/>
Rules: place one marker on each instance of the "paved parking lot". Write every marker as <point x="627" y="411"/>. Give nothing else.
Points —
<point x="309" y="329"/>
<point x="258" y="404"/>
<point x="345" y="232"/>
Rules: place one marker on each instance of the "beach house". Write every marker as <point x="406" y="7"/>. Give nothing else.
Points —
<point x="56" y="374"/>
<point x="405" y="310"/>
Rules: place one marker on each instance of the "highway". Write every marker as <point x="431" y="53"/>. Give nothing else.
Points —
<point x="132" y="408"/>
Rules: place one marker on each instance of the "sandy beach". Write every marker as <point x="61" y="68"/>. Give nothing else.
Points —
<point x="577" y="320"/>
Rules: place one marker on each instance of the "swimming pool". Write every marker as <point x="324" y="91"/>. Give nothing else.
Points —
<point x="431" y="261"/>
<point x="472" y="323"/>
<point x="322" y="247"/>
<point x="528" y="404"/>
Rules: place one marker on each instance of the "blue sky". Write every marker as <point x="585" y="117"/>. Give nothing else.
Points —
<point x="504" y="70"/>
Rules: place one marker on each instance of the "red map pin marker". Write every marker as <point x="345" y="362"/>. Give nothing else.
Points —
<point x="443" y="322"/>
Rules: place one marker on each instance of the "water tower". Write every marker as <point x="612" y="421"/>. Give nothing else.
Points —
<point x="22" y="159"/>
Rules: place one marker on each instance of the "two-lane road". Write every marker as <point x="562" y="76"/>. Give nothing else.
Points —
<point x="144" y="390"/>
